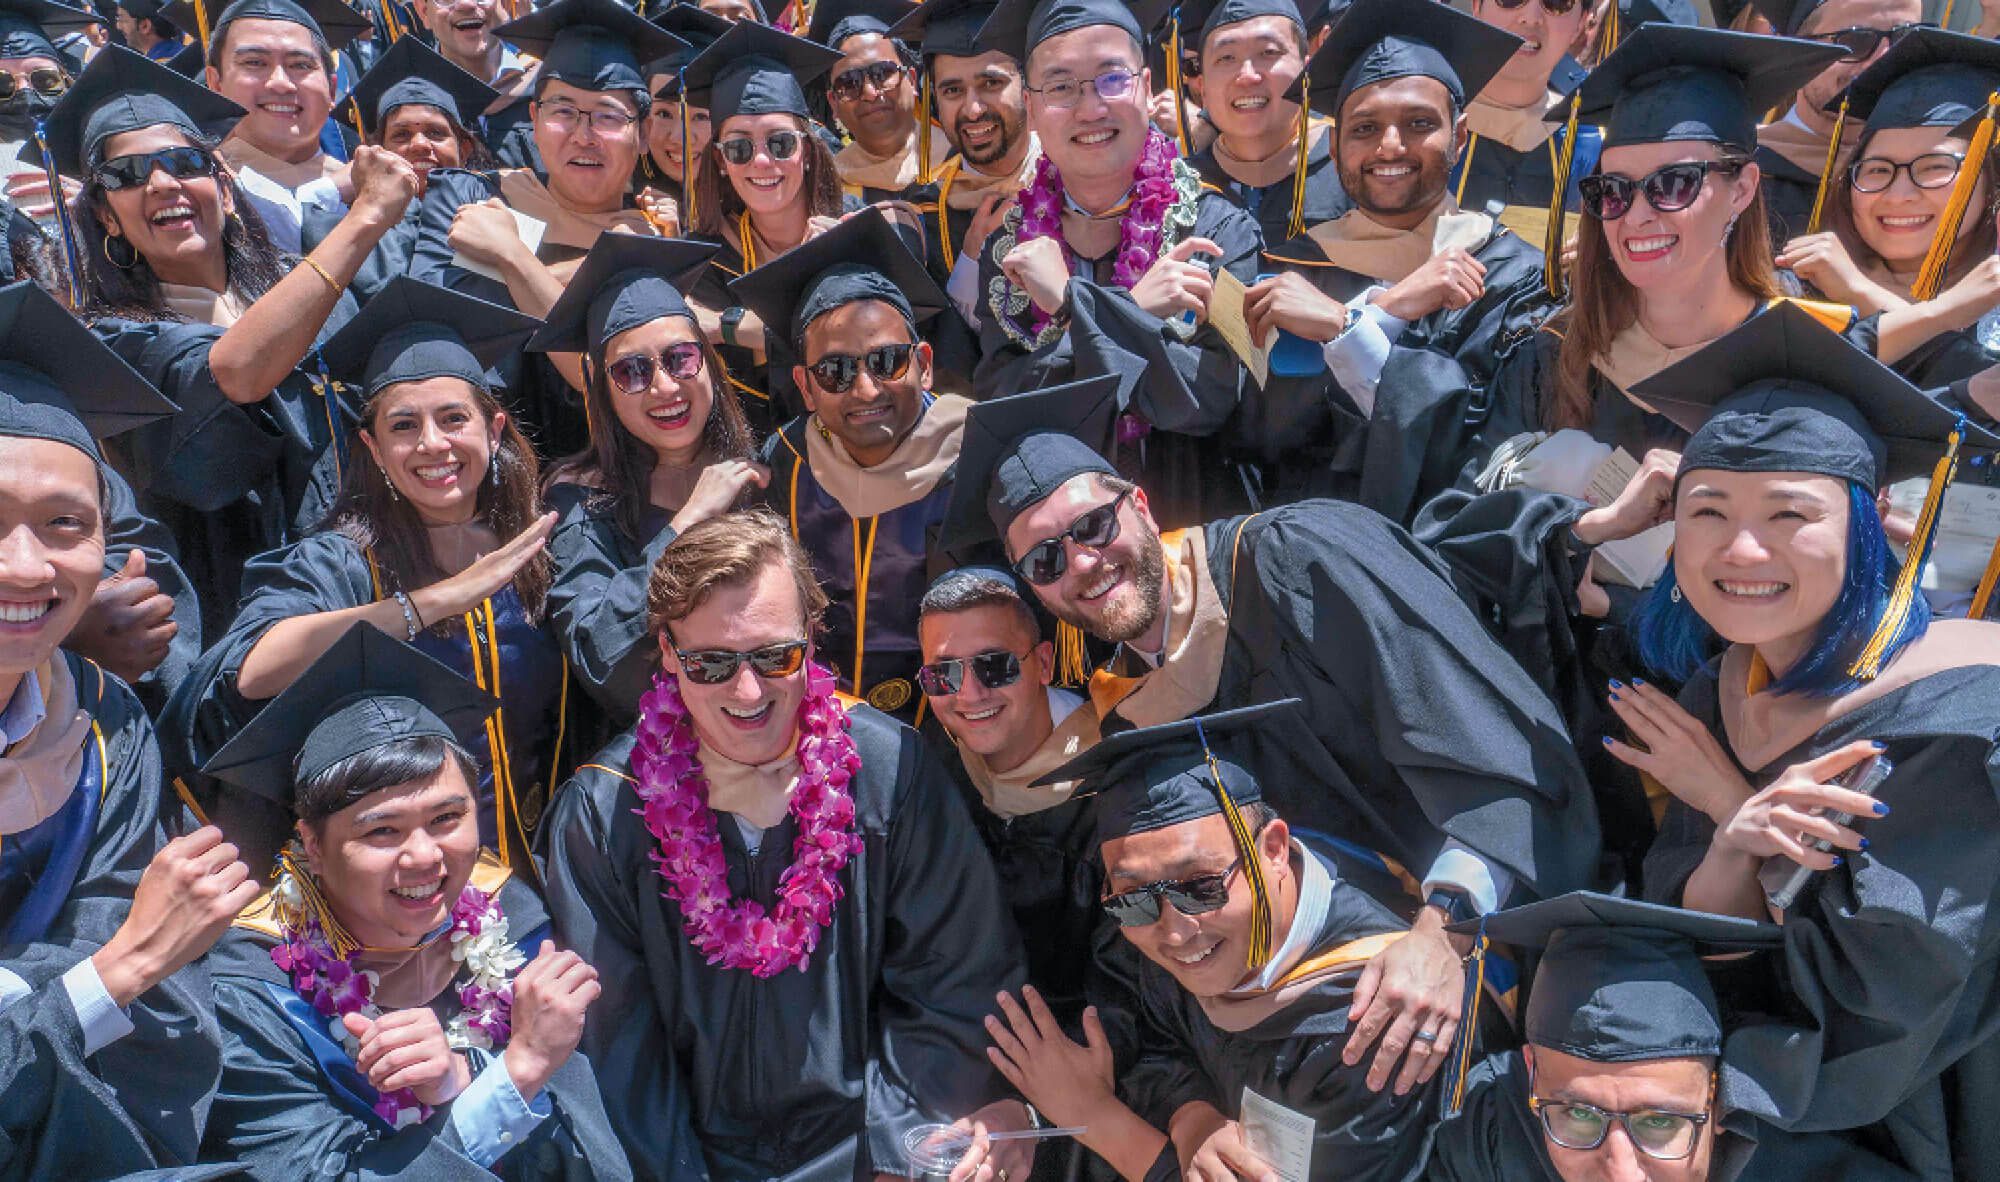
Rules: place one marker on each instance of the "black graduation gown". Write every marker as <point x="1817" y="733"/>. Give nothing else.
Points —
<point x="228" y="481"/>
<point x="1491" y="176"/>
<point x="65" y="888"/>
<point x="291" y="1104"/>
<point x="1789" y="193"/>
<point x="597" y="601"/>
<point x="1271" y="205"/>
<point x="1889" y="979"/>
<point x="390" y="258"/>
<point x="509" y="132"/>
<point x="329" y="572"/>
<point x="1191" y="389"/>
<point x="812" y="1074"/>
<point x="127" y="529"/>
<point x="1291" y="1058"/>
<point x="1426" y="425"/>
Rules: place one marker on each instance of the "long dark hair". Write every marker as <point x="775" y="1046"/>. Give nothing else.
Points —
<point x="370" y="515"/>
<point x="253" y="265"/>
<point x="716" y="202"/>
<point x="1965" y="253"/>
<point x="618" y="468"/>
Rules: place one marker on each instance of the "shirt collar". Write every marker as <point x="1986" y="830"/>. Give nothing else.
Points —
<point x="1315" y="897"/>
<point x="24" y="711"/>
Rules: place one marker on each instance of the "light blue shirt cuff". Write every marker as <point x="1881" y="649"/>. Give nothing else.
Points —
<point x="963" y="288"/>
<point x="1356" y="356"/>
<point x="492" y="1118"/>
<point x="1486" y="884"/>
<point x="102" y="1021"/>
<point x="12" y="988"/>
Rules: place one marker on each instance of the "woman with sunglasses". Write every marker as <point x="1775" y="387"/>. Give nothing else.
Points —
<point x="179" y="277"/>
<point x="669" y="448"/>
<point x="438" y="539"/>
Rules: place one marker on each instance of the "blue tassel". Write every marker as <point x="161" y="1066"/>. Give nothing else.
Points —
<point x="72" y="267"/>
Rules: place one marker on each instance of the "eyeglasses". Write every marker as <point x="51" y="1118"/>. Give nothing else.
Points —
<point x="1190" y="896"/>
<point x="836" y="372"/>
<point x="44" y="80"/>
<point x="1668" y="190"/>
<point x="1932" y="170"/>
<point x="1110" y="86"/>
<point x="995" y="670"/>
<point x="1046" y="560"/>
<point x="124" y="172"/>
<point x="565" y="118"/>
<point x="848" y="84"/>
<point x="1668" y="1136"/>
<point x="634" y="374"/>
<point x="1861" y="43"/>
<point x="1556" y="6"/>
<point x="713" y="666"/>
<point x="741" y="149"/>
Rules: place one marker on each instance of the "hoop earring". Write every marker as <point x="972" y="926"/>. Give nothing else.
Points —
<point x="127" y="266"/>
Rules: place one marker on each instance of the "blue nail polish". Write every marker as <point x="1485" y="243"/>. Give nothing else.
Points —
<point x="1637" y="683"/>
<point x="1837" y="859"/>
<point x="1881" y="746"/>
<point x="1614" y="697"/>
<point x="1607" y="740"/>
<point x="1616" y="684"/>
<point x="1864" y="843"/>
<point x="1881" y="809"/>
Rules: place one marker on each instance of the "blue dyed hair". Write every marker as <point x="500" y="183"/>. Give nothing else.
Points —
<point x="1675" y="642"/>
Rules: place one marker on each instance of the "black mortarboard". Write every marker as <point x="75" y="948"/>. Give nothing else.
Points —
<point x="625" y="281"/>
<point x="122" y="91"/>
<point x="414" y="73"/>
<point x="1377" y="40"/>
<point x="1672" y="83"/>
<point x="1203" y="17"/>
<point x="862" y="258"/>
<point x="1787" y="17"/>
<point x="756" y="70"/>
<point x="591" y="44"/>
<point x="1628" y="16"/>
<point x="1928" y="78"/>
<point x="412" y="330"/>
<point x="189" y="61"/>
<point x="1621" y="980"/>
<point x="332" y="22"/>
<point x="834" y="21"/>
<point x="27" y="27"/>
<point x="1018" y="450"/>
<point x="366" y="691"/>
<point x="697" y="28"/>
<point x="60" y="381"/>
<point x="1017" y="26"/>
<point x="949" y="27"/>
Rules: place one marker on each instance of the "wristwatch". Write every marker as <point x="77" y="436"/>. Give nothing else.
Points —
<point x="1456" y="904"/>
<point x="731" y="317"/>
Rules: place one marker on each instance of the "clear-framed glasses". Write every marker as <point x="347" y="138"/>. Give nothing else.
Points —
<point x="1065" y="93"/>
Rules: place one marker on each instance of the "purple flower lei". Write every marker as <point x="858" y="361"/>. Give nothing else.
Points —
<point x="1139" y="231"/>
<point x="739" y="933"/>
<point x="335" y="988"/>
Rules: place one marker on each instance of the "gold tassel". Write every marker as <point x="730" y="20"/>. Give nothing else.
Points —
<point x="1476" y="970"/>
<point x="1072" y="655"/>
<point x="1552" y="239"/>
<point x="1931" y="276"/>
<point x="316" y="906"/>
<point x="1826" y="172"/>
<point x="1984" y="595"/>
<point x="1253" y="867"/>
<point x="1869" y="663"/>
<point x="687" y="160"/>
<point x="1944" y="22"/>
<point x="201" y="24"/>
<point x="1174" y="81"/>
<point x="924" y="132"/>
<point x="1607" y="32"/>
<point x="1298" y="223"/>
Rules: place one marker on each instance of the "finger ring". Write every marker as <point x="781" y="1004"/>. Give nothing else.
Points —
<point x="1425" y="1036"/>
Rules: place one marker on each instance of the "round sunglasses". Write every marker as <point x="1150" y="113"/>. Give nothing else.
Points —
<point x="997" y="669"/>
<point x="1671" y="189"/>
<point x="714" y="666"/>
<point x="183" y="164"/>
<point x="741" y="149"/>
<point x="634" y="374"/>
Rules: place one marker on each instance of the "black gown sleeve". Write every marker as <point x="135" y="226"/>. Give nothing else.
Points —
<point x="597" y="602"/>
<point x="430" y="254"/>
<point x="127" y="529"/>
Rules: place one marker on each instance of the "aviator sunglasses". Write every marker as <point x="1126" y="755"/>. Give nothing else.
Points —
<point x="1190" y="896"/>
<point x="995" y="670"/>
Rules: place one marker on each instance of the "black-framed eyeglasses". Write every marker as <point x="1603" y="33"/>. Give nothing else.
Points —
<point x="1658" y="1133"/>
<point x="1110" y="86"/>
<point x="634" y="374"/>
<point x="836" y="373"/>
<point x="1199" y="895"/>
<point x="1556" y="6"/>
<point x="181" y="163"/>
<point x="1861" y="43"/>
<point x="741" y="149"/>
<point x="1670" y="189"/>
<point x="996" y="669"/>
<point x="1046" y="560"/>
<point x="1932" y="170"/>
<point x="43" y="80"/>
<point x="713" y="666"/>
<point x="566" y="119"/>
<point x="849" y="84"/>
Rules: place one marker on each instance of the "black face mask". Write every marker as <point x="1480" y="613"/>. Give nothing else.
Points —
<point x="20" y="111"/>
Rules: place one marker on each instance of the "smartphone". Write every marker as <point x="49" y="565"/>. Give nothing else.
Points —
<point x="1782" y="878"/>
<point x="1293" y="356"/>
<point x="1190" y="321"/>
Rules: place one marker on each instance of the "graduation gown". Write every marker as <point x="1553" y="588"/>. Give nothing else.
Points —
<point x="1888" y="983"/>
<point x="812" y="1074"/>
<point x="1271" y="205"/>
<point x="390" y="258"/>
<point x="1285" y="1046"/>
<point x="328" y="571"/>
<point x="127" y="529"/>
<point x="597" y="601"/>
<point x="292" y="1105"/>
<point x="1509" y="164"/>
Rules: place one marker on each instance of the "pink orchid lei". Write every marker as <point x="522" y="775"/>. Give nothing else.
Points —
<point x="739" y="933"/>
<point x="336" y="988"/>
<point x="1140" y="231"/>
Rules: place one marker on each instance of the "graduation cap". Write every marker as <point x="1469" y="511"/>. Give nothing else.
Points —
<point x="1621" y="980"/>
<point x="834" y="21"/>
<point x="1204" y="17"/>
<point x="1017" y="26"/>
<point x="697" y="28"/>
<point x="1784" y="393"/>
<point x="591" y="44"/>
<point x="61" y="382"/>
<point x="1377" y="40"/>
<point x="331" y="22"/>
<point x="862" y="258"/>
<point x="414" y="73"/>
<point x="28" y="27"/>
<point x="1622" y="18"/>
<point x="1016" y="451"/>
<point x="949" y="27"/>
<point x="1156" y="777"/>
<point x="625" y="281"/>
<point x="755" y="70"/>
<point x="368" y="690"/>
<point x="413" y="330"/>
<point x="189" y="61"/>
<point x="1787" y="17"/>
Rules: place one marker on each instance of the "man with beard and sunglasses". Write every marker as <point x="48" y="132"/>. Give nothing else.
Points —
<point x="1422" y="741"/>
<point x="864" y="475"/>
<point x="33" y="75"/>
<point x="1792" y="150"/>
<point x="794" y="924"/>
<point x="1253" y="939"/>
<point x="872" y="92"/>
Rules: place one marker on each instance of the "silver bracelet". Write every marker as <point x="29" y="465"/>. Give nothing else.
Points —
<point x="409" y="616"/>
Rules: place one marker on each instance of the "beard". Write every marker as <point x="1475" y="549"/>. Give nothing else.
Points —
<point x="1010" y="134"/>
<point x="1132" y="616"/>
<point x="1431" y="181"/>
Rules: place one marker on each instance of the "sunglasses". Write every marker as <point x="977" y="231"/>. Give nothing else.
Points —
<point x="1190" y="896"/>
<point x="634" y="374"/>
<point x="836" y="372"/>
<point x="847" y="85"/>
<point x="713" y="666"/>
<point x="182" y="164"/>
<point x="1046" y="560"/>
<point x="1861" y="43"/>
<point x="1556" y="6"/>
<point x="45" y="80"/>
<point x="995" y="670"/>
<point x="1609" y="197"/>
<point x="1932" y="170"/>
<point x="741" y="149"/>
